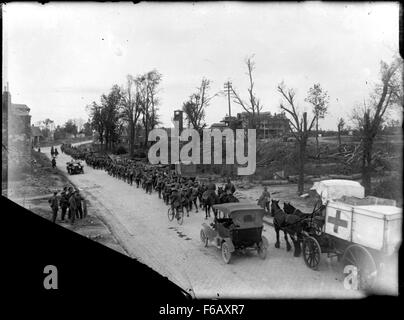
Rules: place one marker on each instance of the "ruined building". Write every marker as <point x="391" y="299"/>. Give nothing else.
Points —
<point x="269" y="125"/>
<point x="16" y="138"/>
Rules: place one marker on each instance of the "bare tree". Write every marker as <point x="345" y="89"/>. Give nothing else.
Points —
<point x="298" y="126"/>
<point x="131" y="109"/>
<point x="319" y="99"/>
<point x="194" y="108"/>
<point x="253" y="106"/>
<point x="369" y="119"/>
<point x="340" y="126"/>
<point x="149" y="83"/>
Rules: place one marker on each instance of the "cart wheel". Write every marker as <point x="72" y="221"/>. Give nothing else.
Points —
<point x="204" y="238"/>
<point x="170" y="213"/>
<point x="361" y="258"/>
<point x="311" y="252"/>
<point x="226" y="254"/>
<point x="180" y="220"/>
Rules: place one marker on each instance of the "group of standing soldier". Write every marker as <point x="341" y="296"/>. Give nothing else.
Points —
<point x="70" y="202"/>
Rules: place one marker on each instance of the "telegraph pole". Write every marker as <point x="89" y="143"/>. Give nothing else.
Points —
<point x="227" y="86"/>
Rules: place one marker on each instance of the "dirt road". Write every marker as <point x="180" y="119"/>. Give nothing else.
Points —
<point x="140" y="223"/>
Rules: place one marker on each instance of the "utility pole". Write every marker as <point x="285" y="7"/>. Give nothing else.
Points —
<point x="227" y="86"/>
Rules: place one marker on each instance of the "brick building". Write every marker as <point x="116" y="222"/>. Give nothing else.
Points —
<point x="16" y="138"/>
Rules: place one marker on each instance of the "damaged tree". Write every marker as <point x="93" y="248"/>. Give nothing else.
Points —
<point x="253" y="106"/>
<point x="194" y="108"/>
<point x="340" y="127"/>
<point x="131" y="109"/>
<point x="299" y="127"/>
<point x="370" y="118"/>
<point x="148" y="84"/>
<point x="319" y="98"/>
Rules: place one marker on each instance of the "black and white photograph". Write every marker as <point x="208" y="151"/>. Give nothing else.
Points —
<point x="238" y="150"/>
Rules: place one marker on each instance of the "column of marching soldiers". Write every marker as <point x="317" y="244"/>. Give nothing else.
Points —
<point x="182" y="193"/>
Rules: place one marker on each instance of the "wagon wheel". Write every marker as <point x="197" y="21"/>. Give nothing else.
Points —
<point x="311" y="252"/>
<point x="170" y="213"/>
<point x="180" y="219"/>
<point x="362" y="259"/>
<point x="226" y="254"/>
<point x="204" y="238"/>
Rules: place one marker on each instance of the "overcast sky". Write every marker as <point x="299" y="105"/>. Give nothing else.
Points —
<point x="60" y="57"/>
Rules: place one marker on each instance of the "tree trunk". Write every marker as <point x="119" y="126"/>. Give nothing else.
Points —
<point x="131" y="138"/>
<point x="339" y="137"/>
<point x="317" y="137"/>
<point x="302" y="155"/>
<point x="146" y="133"/>
<point x="367" y="165"/>
<point x="106" y="141"/>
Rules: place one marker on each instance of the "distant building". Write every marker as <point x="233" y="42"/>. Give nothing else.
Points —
<point x="219" y="125"/>
<point x="47" y="128"/>
<point x="36" y="136"/>
<point x="269" y="125"/>
<point x="233" y="122"/>
<point x="16" y="137"/>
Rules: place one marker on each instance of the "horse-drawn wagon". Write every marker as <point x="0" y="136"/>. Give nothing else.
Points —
<point x="360" y="231"/>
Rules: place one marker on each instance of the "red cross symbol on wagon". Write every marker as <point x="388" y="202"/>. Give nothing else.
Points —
<point x="337" y="221"/>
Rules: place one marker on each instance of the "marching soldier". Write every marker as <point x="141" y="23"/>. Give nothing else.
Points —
<point x="201" y="190"/>
<point x="53" y="163"/>
<point x="176" y="201"/>
<point x="194" y="196"/>
<point x="211" y="185"/>
<point x="137" y="179"/>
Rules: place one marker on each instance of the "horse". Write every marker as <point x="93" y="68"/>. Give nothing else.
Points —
<point x="290" y="224"/>
<point x="290" y="209"/>
<point x="209" y="198"/>
<point x="311" y="221"/>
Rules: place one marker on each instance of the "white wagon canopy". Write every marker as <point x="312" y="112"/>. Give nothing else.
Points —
<point x="336" y="189"/>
